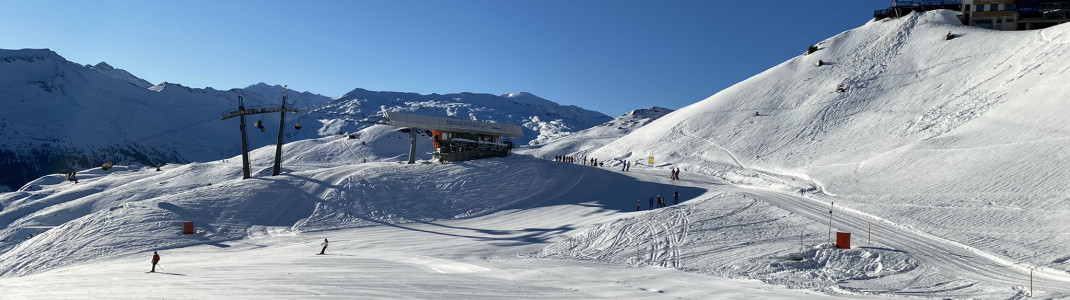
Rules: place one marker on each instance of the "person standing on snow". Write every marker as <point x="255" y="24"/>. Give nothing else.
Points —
<point x="650" y="205"/>
<point x="661" y="201"/>
<point x="638" y="205"/>
<point x="675" y="198"/>
<point x="155" y="260"/>
<point x="324" y="246"/>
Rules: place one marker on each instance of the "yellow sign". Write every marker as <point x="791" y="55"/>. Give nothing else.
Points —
<point x="651" y="159"/>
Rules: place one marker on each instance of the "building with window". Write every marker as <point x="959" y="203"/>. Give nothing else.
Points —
<point x="1015" y="14"/>
<point x="903" y="7"/>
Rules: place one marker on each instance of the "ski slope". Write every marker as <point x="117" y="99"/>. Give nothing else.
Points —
<point x="481" y="242"/>
<point x="523" y="228"/>
<point x="942" y="159"/>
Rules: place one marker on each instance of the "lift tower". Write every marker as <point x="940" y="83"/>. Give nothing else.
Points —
<point x="242" y="112"/>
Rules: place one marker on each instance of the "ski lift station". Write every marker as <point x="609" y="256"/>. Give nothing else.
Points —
<point x="456" y="139"/>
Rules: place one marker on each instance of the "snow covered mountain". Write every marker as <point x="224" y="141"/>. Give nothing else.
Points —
<point x="579" y="144"/>
<point x="60" y="116"/>
<point x="941" y="157"/>
<point x="541" y="119"/>
<point x="963" y="139"/>
<point x="108" y="70"/>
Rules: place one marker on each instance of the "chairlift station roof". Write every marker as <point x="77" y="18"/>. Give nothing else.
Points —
<point x="453" y="125"/>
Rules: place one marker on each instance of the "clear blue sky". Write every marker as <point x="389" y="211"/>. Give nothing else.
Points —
<point x="611" y="56"/>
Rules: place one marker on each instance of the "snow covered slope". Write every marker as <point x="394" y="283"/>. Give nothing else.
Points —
<point x="578" y="144"/>
<point x="942" y="159"/>
<point x="963" y="138"/>
<point x="60" y="116"/>
<point x="108" y="70"/>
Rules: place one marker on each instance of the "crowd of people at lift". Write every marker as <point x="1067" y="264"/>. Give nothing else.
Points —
<point x="655" y="201"/>
<point x="625" y="166"/>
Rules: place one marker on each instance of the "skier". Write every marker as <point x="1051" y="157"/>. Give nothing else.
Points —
<point x="155" y="260"/>
<point x="638" y="205"/>
<point x="650" y="205"/>
<point x="627" y="166"/>
<point x="324" y="246"/>
<point x="675" y="198"/>
<point x="661" y="201"/>
<point x="623" y="166"/>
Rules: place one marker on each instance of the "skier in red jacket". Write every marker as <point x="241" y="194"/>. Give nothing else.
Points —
<point x="155" y="259"/>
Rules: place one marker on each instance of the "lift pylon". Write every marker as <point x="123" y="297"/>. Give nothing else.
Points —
<point x="242" y="112"/>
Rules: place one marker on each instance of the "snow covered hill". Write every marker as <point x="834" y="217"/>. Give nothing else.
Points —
<point x="60" y="116"/>
<point x="940" y="157"/>
<point x="580" y="143"/>
<point x="962" y="139"/>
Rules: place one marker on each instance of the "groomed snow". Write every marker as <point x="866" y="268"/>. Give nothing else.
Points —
<point x="943" y="159"/>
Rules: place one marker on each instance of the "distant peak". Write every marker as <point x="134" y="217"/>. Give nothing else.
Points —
<point x="30" y="55"/>
<point x="519" y="94"/>
<point x="104" y="66"/>
<point x="652" y="112"/>
<point x="529" y="98"/>
<point x="263" y="85"/>
<point x="120" y="74"/>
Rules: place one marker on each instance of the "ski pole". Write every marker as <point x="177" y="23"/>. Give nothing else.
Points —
<point x="160" y="266"/>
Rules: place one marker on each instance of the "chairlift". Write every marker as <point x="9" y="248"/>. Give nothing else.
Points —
<point x="298" y="125"/>
<point x="106" y="166"/>
<point x="259" y="124"/>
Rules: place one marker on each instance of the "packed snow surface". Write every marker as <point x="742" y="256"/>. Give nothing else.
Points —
<point x="942" y="159"/>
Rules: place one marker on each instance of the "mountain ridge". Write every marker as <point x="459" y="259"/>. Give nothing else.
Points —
<point x="83" y="115"/>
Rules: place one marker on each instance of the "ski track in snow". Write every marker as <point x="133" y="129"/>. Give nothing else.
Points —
<point x="958" y="179"/>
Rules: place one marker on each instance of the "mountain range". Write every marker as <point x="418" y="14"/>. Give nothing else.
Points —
<point x="60" y="116"/>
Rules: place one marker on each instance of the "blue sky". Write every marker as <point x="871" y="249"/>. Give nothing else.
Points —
<point x="608" y="56"/>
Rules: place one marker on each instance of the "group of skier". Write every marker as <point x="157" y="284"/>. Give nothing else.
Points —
<point x="624" y="167"/>
<point x="156" y="256"/>
<point x="675" y="174"/>
<point x="661" y="202"/>
<point x="563" y="158"/>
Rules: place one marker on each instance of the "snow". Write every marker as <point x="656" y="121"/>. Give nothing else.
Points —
<point x="941" y="158"/>
<point x="61" y="116"/>
<point x="108" y="70"/>
<point x="580" y="143"/>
